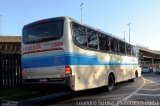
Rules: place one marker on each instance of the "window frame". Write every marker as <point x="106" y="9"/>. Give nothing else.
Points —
<point x="83" y="47"/>
<point x="106" y="44"/>
<point x="128" y="49"/>
<point x="115" y="45"/>
<point x="41" y="23"/>
<point x="123" y="48"/>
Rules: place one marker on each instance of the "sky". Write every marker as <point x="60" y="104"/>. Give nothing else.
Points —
<point x="111" y="16"/>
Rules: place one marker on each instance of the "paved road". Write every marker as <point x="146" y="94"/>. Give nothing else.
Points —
<point x="145" y="91"/>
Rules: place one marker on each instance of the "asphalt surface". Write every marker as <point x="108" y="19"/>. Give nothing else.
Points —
<point x="145" y="91"/>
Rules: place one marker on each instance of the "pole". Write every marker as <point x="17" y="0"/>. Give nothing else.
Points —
<point x="129" y="30"/>
<point x="81" y="11"/>
<point x="124" y="36"/>
<point x="0" y="24"/>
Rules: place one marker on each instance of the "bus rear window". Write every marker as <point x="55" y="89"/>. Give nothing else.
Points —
<point x="41" y="32"/>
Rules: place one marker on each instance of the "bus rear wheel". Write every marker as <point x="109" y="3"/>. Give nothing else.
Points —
<point x="111" y="83"/>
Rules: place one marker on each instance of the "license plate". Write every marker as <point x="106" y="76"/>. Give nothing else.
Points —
<point x="43" y="80"/>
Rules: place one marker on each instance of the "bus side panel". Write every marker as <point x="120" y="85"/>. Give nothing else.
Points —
<point x="87" y="77"/>
<point x="91" y="70"/>
<point x="88" y="71"/>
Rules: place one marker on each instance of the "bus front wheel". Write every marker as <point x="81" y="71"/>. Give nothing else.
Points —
<point x="111" y="83"/>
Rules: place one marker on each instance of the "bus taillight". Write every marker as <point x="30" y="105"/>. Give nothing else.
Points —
<point x="22" y="72"/>
<point x="68" y="70"/>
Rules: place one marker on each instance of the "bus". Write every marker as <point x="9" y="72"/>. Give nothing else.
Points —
<point x="64" y="52"/>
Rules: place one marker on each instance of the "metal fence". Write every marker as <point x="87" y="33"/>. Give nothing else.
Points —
<point x="10" y="66"/>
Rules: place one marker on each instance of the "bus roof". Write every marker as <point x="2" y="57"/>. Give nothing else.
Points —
<point x="44" y="20"/>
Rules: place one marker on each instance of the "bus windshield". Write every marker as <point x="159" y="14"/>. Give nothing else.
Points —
<point x="41" y="32"/>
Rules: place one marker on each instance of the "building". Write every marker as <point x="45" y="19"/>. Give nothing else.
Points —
<point x="10" y="43"/>
<point x="150" y="57"/>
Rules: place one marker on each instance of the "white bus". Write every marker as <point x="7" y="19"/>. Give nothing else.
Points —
<point x="62" y="51"/>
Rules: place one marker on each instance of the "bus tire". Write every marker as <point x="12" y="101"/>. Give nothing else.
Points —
<point x="111" y="83"/>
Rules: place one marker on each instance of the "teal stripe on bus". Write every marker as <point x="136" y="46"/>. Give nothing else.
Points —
<point x="68" y="59"/>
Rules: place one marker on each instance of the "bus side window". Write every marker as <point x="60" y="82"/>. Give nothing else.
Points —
<point x="133" y="51"/>
<point x="137" y="52"/>
<point x="92" y="39"/>
<point x="103" y="42"/>
<point x="122" y="47"/>
<point x="80" y="36"/>
<point x="128" y="49"/>
<point x="114" y="45"/>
